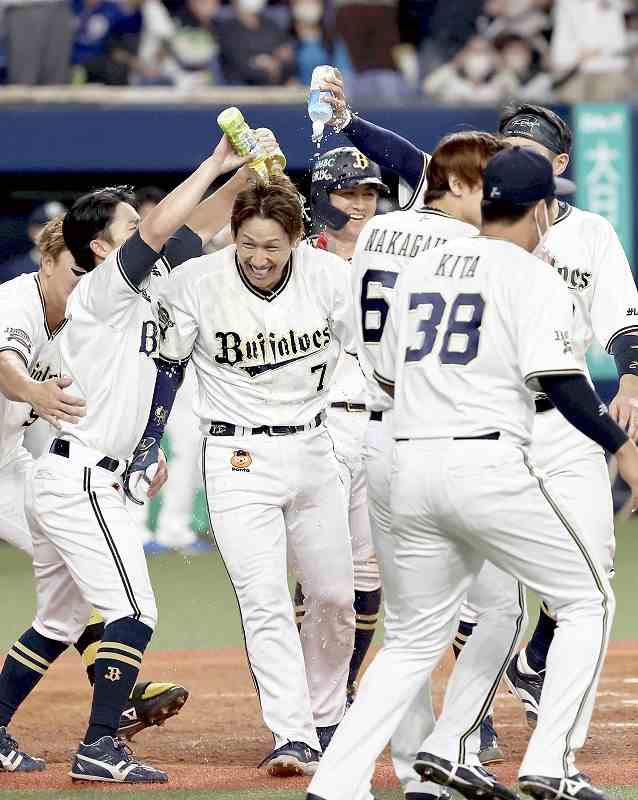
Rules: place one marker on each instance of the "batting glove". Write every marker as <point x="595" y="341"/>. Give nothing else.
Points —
<point x="141" y="471"/>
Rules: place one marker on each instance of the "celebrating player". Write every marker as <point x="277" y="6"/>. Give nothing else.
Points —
<point x="32" y="307"/>
<point x="388" y="244"/>
<point x="265" y="320"/>
<point x="470" y="325"/>
<point x="344" y="192"/>
<point x="87" y="551"/>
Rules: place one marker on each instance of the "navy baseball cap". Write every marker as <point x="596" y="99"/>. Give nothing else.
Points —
<point x="46" y="212"/>
<point x="520" y="176"/>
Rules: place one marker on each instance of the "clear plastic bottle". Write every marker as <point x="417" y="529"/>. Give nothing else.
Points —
<point x="275" y="158"/>
<point x="243" y="141"/>
<point x="319" y="111"/>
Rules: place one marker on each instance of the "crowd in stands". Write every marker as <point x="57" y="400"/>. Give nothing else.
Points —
<point x="452" y="51"/>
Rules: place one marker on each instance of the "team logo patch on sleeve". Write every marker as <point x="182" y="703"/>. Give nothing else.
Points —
<point x="241" y="460"/>
<point x="19" y="336"/>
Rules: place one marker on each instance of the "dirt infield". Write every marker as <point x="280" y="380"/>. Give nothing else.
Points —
<point x="219" y="738"/>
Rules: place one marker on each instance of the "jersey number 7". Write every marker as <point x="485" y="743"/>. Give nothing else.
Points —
<point x="463" y="327"/>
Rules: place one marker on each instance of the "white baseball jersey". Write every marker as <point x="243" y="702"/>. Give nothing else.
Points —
<point x="262" y="357"/>
<point x="387" y="244"/>
<point x="470" y="327"/>
<point x="587" y="254"/>
<point x="24" y="331"/>
<point x="107" y="347"/>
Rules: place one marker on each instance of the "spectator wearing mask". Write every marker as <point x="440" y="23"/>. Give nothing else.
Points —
<point x="474" y="76"/>
<point x="593" y="33"/>
<point x="314" y="42"/>
<point x="30" y="261"/>
<point x="255" y="50"/>
<point x="39" y="36"/>
<point x="194" y="48"/>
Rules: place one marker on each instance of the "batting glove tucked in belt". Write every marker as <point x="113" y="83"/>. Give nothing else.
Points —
<point x="141" y="471"/>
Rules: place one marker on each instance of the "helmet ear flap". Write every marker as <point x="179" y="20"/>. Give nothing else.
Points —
<point x="324" y="213"/>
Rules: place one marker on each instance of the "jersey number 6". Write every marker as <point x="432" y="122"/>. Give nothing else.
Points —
<point x="463" y="327"/>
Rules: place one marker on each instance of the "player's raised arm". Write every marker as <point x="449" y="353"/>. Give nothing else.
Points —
<point x="387" y="148"/>
<point x="177" y="207"/>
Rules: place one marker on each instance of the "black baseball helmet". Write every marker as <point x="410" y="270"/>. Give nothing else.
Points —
<point x="341" y="168"/>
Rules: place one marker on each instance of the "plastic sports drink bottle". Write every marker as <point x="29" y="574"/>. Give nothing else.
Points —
<point x="243" y="141"/>
<point x="319" y="111"/>
<point x="275" y="158"/>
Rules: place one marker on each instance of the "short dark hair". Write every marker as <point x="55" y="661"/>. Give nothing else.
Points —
<point x="149" y="194"/>
<point x="90" y="216"/>
<point x="463" y="154"/>
<point x="512" y="110"/>
<point x="509" y="213"/>
<point x="278" y="200"/>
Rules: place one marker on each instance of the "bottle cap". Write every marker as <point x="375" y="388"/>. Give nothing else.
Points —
<point x="317" y="131"/>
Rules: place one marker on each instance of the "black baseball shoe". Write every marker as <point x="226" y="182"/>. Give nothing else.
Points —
<point x="291" y="759"/>
<point x="111" y="761"/>
<point x="151" y="704"/>
<point x="527" y="687"/>
<point x="12" y="759"/>
<point x="475" y="783"/>
<point x="578" y="787"/>
<point x="489" y="752"/>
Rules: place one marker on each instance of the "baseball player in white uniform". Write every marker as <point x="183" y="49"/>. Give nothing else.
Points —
<point x="387" y="245"/>
<point x="87" y="551"/>
<point x="470" y="327"/>
<point x="344" y="193"/>
<point x="32" y="310"/>
<point x="265" y="320"/>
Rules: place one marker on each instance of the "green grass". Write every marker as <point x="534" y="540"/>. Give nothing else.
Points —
<point x="197" y="608"/>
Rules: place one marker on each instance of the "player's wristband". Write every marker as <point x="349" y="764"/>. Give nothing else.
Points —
<point x="579" y="404"/>
<point x="625" y="352"/>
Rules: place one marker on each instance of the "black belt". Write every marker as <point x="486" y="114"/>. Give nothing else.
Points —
<point x="60" y="447"/>
<point x="227" y="429"/>
<point x="543" y="404"/>
<point x="376" y="416"/>
<point x="493" y="435"/>
<point x="349" y="406"/>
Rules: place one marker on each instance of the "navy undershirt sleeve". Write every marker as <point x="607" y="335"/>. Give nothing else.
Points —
<point x="387" y="148"/>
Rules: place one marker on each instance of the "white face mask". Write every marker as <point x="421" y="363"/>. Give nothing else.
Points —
<point x="310" y="13"/>
<point x="541" y="251"/>
<point x="477" y="65"/>
<point x="251" y="6"/>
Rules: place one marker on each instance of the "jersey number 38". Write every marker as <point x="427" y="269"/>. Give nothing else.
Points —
<point x="461" y="338"/>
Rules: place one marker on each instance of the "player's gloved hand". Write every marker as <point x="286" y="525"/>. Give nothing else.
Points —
<point x="147" y="472"/>
<point x="341" y="114"/>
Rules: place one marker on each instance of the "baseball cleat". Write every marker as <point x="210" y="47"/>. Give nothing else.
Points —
<point x="489" y="752"/>
<point x="527" y="686"/>
<point x="12" y="759"/>
<point x="472" y="782"/>
<point x="291" y="759"/>
<point x="151" y="704"/>
<point x="444" y="795"/>
<point x="577" y="787"/>
<point x="111" y="761"/>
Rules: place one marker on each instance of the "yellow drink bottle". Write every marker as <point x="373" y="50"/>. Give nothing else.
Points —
<point x="275" y="158"/>
<point x="243" y="141"/>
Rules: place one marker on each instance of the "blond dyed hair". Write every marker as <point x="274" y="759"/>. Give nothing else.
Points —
<point x="51" y="240"/>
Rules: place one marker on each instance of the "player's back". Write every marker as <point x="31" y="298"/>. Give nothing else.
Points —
<point x="471" y="325"/>
<point x="387" y="244"/>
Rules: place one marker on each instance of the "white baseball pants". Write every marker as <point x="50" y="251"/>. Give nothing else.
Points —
<point x="87" y="549"/>
<point x="14" y="528"/>
<point x="286" y="500"/>
<point x="348" y="432"/>
<point x="499" y="602"/>
<point x="468" y="501"/>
